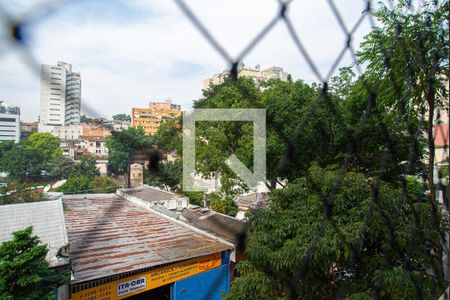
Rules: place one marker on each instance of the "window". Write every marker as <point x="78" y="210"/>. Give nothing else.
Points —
<point x="7" y="120"/>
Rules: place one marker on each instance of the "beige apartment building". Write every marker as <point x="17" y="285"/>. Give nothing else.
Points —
<point x="152" y="117"/>
<point x="246" y="71"/>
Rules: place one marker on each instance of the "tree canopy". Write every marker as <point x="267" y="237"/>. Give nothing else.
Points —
<point x="166" y="175"/>
<point x="315" y="242"/>
<point x="86" y="166"/>
<point x="122" y="117"/>
<point x="224" y="205"/>
<point x="353" y="219"/>
<point x="122" y="146"/>
<point x="324" y="137"/>
<point x="24" y="272"/>
<point x="32" y="159"/>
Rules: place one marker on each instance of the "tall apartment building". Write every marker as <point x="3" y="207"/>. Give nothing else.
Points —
<point x="60" y="95"/>
<point x="152" y="117"/>
<point x="9" y="123"/>
<point x="245" y="71"/>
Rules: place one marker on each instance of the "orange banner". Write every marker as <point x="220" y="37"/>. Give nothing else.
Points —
<point x="137" y="284"/>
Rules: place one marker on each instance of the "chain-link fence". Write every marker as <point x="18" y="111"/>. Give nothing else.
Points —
<point x="408" y="64"/>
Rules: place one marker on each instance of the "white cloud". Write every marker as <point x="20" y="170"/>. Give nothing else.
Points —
<point x="131" y="52"/>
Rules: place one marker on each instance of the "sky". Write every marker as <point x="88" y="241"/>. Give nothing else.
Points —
<point x="130" y="52"/>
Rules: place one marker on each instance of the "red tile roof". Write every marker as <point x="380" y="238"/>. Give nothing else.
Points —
<point x="109" y="235"/>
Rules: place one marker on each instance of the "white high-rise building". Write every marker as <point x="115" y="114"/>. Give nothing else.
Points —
<point x="9" y="123"/>
<point x="60" y="95"/>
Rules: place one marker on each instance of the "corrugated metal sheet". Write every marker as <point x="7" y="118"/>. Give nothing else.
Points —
<point x="47" y="220"/>
<point x="223" y="226"/>
<point x="109" y="235"/>
<point x="150" y="194"/>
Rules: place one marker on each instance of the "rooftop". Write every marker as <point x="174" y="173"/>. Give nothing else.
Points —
<point x="9" y="109"/>
<point x="253" y="200"/>
<point x="226" y="227"/>
<point x="148" y="193"/>
<point x="109" y="235"/>
<point x="47" y="219"/>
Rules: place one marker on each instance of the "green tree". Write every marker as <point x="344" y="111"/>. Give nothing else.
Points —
<point x="168" y="138"/>
<point x="32" y="159"/>
<point x="24" y="164"/>
<point x="17" y="192"/>
<point x="83" y="184"/>
<point x="223" y="205"/>
<point x="86" y="167"/>
<point x="342" y="238"/>
<point x="82" y="177"/>
<point x="24" y="272"/>
<point x="5" y="146"/>
<point x="380" y="134"/>
<point x="79" y="184"/>
<point x="103" y="184"/>
<point x="408" y="53"/>
<point x="195" y="198"/>
<point x="60" y="167"/>
<point x="122" y="117"/>
<point x="166" y="175"/>
<point x="326" y="132"/>
<point x="85" y="119"/>
<point x="46" y="143"/>
<point x="122" y="146"/>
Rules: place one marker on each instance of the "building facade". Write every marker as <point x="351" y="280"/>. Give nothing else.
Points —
<point x="60" y="95"/>
<point x="252" y="72"/>
<point x="94" y="145"/>
<point x="95" y="130"/>
<point x="152" y="117"/>
<point x="75" y="132"/>
<point x="9" y="123"/>
<point x="26" y="129"/>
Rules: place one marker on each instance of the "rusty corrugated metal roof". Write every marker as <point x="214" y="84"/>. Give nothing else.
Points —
<point x="109" y="235"/>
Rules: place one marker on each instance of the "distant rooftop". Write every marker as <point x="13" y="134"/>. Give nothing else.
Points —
<point x="47" y="219"/>
<point x="253" y="200"/>
<point x="148" y="193"/>
<point x="110" y="235"/>
<point x="223" y="226"/>
<point x="8" y="109"/>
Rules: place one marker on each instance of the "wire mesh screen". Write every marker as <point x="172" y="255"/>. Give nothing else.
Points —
<point x="368" y="221"/>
